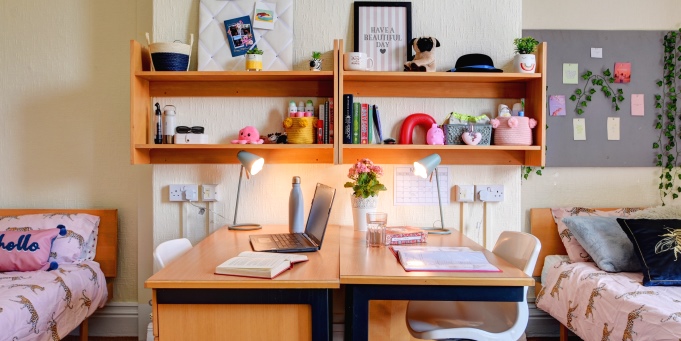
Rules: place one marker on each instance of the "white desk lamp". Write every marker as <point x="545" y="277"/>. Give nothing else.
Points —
<point x="252" y="164"/>
<point x="424" y="168"/>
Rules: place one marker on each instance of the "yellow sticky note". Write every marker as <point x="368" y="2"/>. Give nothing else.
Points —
<point x="613" y="128"/>
<point x="579" y="129"/>
<point x="570" y="75"/>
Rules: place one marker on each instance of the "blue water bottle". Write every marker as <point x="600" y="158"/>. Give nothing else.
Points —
<point x="295" y="208"/>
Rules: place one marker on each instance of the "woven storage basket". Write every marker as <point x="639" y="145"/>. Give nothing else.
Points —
<point x="301" y="130"/>
<point x="170" y="56"/>
<point x="453" y="133"/>
<point x="505" y="135"/>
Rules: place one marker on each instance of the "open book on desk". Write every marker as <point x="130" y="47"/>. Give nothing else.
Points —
<point x="259" y="264"/>
<point x="437" y="258"/>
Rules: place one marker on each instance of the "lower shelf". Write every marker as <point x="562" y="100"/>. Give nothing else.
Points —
<point x="226" y="153"/>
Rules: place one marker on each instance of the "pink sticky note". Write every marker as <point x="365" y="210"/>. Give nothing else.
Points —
<point x="637" y="105"/>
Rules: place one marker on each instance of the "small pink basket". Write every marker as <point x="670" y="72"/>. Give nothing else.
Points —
<point x="513" y="131"/>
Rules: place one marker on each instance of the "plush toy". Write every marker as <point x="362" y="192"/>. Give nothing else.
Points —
<point x="276" y="138"/>
<point x="425" y="56"/>
<point x="435" y="136"/>
<point x="248" y="135"/>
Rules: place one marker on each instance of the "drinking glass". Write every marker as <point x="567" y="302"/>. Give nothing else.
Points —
<point x="376" y="222"/>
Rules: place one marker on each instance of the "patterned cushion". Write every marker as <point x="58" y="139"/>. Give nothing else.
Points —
<point x="74" y="247"/>
<point x="27" y="250"/>
<point x="574" y="250"/>
<point x="657" y="247"/>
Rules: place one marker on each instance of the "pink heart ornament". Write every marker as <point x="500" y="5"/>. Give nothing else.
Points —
<point x="471" y="139"/>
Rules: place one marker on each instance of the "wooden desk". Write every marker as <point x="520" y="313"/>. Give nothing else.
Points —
<point x="190" y="302"/>
<point x="373" y="273"/>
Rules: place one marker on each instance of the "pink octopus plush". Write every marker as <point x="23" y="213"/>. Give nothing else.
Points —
<point x="248" y="135"/>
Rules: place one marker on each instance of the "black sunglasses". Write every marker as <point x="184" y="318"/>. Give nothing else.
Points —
<point x="187" y="130"/>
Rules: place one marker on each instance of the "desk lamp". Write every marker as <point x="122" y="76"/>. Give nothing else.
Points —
<point x="253" y="164"/>
<point x="424" y="168"/>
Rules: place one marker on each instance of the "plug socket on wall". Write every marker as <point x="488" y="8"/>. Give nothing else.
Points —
<point x="489" y="193"/>
<point x="183" y="192"/>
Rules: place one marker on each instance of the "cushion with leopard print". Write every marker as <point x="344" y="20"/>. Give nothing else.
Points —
<point x="657" y="244"/>
<point x="75" y="246"/>
<point x="574" y="250"/>
<point x="28" y="250"/>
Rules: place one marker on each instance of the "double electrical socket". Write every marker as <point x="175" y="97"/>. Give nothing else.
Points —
<point x="191" y="192"/>
<point x="470" y="193"/>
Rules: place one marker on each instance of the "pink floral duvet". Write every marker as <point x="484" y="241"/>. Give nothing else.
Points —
<point x="598" y="305"/>
<point x="47" y="305"/>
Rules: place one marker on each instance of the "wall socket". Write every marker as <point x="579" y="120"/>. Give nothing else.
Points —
<point x="464" y="193"/>
<point x="489" y="193"/>
<point x="209" y="192"/>
<point x="183" y="192"/>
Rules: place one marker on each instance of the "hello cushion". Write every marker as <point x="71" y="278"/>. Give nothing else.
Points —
<point x="28" y="250"/>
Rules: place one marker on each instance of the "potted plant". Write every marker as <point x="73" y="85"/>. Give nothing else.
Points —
<point x="525" y="61"/>
<point x="316" y="61"/>
<point x="254" y="59"/>
<point x="365" y="186"/>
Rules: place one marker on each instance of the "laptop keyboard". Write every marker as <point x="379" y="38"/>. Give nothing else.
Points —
<point x="287" y="240"/>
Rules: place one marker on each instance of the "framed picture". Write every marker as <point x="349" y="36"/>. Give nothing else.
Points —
<point x="383" y="32"/>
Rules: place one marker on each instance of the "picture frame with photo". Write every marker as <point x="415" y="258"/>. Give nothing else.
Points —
<point x="239" y="33"/>
<point x="383" y="32"/>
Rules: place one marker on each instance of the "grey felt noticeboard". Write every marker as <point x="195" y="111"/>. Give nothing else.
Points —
<point x="643" y="49"/>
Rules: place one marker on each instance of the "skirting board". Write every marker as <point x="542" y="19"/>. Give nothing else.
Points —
<point x="115" y="319"/>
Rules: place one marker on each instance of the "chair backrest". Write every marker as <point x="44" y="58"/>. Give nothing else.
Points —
<point x="518" y="248"/>
<point x="167" y="251"/>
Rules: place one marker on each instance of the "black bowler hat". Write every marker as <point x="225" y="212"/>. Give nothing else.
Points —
<point x="475" y="62"/>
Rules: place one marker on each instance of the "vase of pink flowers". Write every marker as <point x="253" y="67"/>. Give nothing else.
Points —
<point x="365" y="187"/>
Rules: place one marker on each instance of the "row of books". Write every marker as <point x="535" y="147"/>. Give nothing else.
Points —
<point x="359" y="120"/>
<point x="324" y="128"/>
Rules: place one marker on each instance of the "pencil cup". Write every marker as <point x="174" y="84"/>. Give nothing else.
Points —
<point x="376" y="222"/>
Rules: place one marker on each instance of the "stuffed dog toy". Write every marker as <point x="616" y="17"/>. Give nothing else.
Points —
<point x="425" y="56"/>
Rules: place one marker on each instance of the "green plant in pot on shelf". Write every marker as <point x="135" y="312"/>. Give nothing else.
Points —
<point x="316" y="61"/>
<point x="525" y="61"/>
<point x="667" y="148"/>
<point x="254" y="59"/>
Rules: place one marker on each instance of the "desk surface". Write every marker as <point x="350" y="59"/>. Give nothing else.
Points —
<point x="360" y="264"/>
<point x="195" y="269"/>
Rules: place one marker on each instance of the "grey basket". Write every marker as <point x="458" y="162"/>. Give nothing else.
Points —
<point x="453" y="133"/>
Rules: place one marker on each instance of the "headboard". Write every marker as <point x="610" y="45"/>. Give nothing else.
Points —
<point x="107" y="240"/>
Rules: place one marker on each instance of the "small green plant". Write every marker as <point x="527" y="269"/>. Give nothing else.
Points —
<point x="584" y="96"/>
<point x="527" y="170"/>
<point x="667" y="144"/>
<point x="254" y="50"/>
<point x="525" y="45"/>
<point x="316" y="55"/>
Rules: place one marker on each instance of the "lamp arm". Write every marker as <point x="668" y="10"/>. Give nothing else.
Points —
<point x="238" y="190"/>
<point x="439" y="200"/>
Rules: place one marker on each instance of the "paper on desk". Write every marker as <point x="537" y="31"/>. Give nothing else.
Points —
<point x="445" y="260"/>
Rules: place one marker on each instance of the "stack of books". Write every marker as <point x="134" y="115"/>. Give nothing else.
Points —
<point x="359" y="120"/>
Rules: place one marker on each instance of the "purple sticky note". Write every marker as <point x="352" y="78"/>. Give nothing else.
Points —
<point x="557" y="105"/>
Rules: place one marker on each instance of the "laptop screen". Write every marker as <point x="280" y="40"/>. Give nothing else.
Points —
<point x="319" y="212"/>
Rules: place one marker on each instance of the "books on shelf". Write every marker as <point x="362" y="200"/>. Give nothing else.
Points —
<point x="259" y="264"/>
<point x="435" y="258"/>
<point x="361" y="122"/>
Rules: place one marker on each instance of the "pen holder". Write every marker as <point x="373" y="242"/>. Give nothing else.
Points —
<point x="300" y="130"/>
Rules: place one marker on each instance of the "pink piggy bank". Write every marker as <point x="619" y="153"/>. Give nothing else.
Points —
<point x="435" y="136"/>
<point x="248" y="135"/>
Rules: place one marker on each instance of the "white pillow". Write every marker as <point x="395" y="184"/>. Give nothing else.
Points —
<point x="672" y="211"/>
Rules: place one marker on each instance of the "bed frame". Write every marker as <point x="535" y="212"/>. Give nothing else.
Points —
<point x="544" y="227"/>
<point x="107" y="244"/>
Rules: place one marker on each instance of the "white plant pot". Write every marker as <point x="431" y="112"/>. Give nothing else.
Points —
<point x="525" y="63"/>
<point x="360" y="208"/>
<point x="253" y="62"/>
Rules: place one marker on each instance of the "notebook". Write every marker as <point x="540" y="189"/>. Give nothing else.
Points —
<point x="311" y="239"/>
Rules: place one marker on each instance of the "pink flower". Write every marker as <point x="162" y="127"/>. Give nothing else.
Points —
<point x="364" y="175"/>
<point x="513" y="122"/>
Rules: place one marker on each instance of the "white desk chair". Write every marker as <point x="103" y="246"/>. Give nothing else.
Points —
<point x="165" y="253"/>
<point x="480" y="320"/>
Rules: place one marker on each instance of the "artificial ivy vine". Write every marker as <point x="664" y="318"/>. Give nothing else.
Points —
<point x="583" y="96"/>
<point x="667" y="142"/>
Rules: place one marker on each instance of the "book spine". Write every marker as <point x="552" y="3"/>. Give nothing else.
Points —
<point x="347" y="119"/>
<point x="377" y="121"/>
<point x="326" y="122"/>
<point x="320" y="131"/>
<point x="371" y="124"/>
<point x="364" y="124"/>
<point x="332" y="120"/>
<point x="355" y="122"/>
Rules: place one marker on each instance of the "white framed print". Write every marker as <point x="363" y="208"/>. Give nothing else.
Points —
<point x="383" y="32"/>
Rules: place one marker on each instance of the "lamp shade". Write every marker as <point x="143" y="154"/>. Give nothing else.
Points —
<point x="253" y="163"/>
<point x="425" y="166"/>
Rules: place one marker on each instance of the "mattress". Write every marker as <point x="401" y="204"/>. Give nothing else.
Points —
<point x="599" y="305"/>
<point x="47" y="305"/>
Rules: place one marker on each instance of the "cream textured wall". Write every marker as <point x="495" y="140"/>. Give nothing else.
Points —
<point x="64" y="104"/>
<point x="484" y="26"/>
<point x="596" y="187"/>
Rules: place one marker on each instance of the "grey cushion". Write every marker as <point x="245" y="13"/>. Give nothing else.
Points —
<point x="606" y="243"/>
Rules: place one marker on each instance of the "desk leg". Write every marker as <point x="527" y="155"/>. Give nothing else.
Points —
<point x="356" y="313"/>
<point x="320" y="304"/>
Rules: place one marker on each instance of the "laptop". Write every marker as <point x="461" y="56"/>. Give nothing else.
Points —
<point x="311" y="239"/>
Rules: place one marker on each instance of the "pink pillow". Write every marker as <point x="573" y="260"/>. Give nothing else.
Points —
<point x="28" y="250"/>
<point x="575" y="251"/>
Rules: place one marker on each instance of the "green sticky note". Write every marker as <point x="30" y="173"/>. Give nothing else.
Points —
<point x="570" y="75"/>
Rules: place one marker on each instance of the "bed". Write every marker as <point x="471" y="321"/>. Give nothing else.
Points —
<point x="48" y="305"/>
<point x="600" y="305"/>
